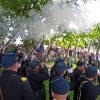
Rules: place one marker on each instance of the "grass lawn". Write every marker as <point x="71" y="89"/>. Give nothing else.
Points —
<point x="98" y="98"/>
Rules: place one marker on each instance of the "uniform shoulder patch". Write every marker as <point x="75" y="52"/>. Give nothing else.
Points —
<point x="23" y="78"/>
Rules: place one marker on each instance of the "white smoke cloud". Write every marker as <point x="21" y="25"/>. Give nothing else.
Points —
<point x="70" y="17"/>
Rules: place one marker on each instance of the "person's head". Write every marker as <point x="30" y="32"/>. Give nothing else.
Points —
<point x="91" y="72"/>
<point x="80" y="65"/>
<point x="35" y="65"/>
<point x="9" y="62"/>
<point x="58" y="60"/>
<point x="61" y="68"/>
<point x="60" y="88"/>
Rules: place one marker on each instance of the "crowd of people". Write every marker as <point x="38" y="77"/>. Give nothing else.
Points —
<point x="23" y="76"/>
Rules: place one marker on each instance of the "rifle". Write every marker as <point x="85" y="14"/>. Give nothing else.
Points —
<point x="67" y="51"/>
<point x="58" y="54"/>
<point x="47" y="52"/>
<point x="23" y="70"/>
<point x="7" y="44"/>
<point x="34" y="47"/>
<point x="29" y="53"/>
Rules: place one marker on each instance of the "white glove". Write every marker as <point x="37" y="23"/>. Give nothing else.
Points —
<point x="70" y="70"/>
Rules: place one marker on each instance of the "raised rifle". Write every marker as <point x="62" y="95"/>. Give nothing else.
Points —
<point x="7" y="44"/>
<point x="47" y="52"/>
<point x="35" y="47"/>
<point x="29" y="53"/>
<point x="66" y="56"/>
<point x="24" y="67"/>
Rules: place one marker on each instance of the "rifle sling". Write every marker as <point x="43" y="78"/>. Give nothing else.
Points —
<point x="80" y="90"/>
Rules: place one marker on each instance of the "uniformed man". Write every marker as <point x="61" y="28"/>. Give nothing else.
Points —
<point x="87" y="90"/>
<point x="52" y="73"/>
<point x="37" y="74"/>
<point x="13" y="86"/>
<point x="78" y="71"/>
<point x="58" y="60"/>
<point x="59" y="86"/>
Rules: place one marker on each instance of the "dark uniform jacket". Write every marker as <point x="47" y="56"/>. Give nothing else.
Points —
<point x="77" y="74"/>
<point x="36" y="80"/>
<point x="15" y="87"/>
<point x="88" y="90"/>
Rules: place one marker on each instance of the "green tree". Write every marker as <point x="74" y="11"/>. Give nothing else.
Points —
<point x="21" y="7"/>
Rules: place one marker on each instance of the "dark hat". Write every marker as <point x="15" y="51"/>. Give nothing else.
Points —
<point x="61" y="67"/>
<point x="91" y="72"/>
<point x="9" y="60"/>
<point x="58" y="60"/>
<point x="80" y="63"/>
<point x="35" y="63"/>
<point x="60" y="86"/>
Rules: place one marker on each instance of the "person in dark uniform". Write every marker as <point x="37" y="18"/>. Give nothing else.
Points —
<point x="78" y="72"/>
<point x="58" y="60"/>
<point x="52" y="73"/>
<point x="13" y="86"/>
<point x="80" y="69"/>
<point x="59" y="86"/>
<point x="87" y="90"/>
<point x="69" y="73"/>
<point x="37" y="74"/>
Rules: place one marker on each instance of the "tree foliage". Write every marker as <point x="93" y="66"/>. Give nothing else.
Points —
<point x="80" y="40"/>
<point x="21" y="7"/>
